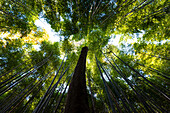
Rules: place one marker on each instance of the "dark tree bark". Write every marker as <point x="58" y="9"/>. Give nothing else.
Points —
<point x="77" y="99"/>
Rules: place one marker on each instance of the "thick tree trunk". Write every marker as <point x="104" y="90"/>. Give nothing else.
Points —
<point x="77" y="100"/>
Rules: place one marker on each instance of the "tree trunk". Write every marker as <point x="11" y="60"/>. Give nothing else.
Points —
<point x="77" y="100"/>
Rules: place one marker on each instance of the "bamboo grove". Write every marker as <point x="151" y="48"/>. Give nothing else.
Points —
<point x="132" y="76"/>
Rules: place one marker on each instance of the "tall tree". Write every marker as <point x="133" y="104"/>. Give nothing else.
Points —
<point x="77" y="99"/>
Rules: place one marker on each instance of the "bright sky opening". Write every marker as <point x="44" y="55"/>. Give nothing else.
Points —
<point x="54" y="36"/>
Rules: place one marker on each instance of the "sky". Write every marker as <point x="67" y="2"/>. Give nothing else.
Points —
<point x="54" y="37"/>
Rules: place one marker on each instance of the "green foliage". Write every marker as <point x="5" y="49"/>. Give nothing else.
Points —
<point x="86" y="23"/>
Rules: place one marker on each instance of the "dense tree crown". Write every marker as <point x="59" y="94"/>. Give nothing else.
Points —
<point x="35" y="73"/>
